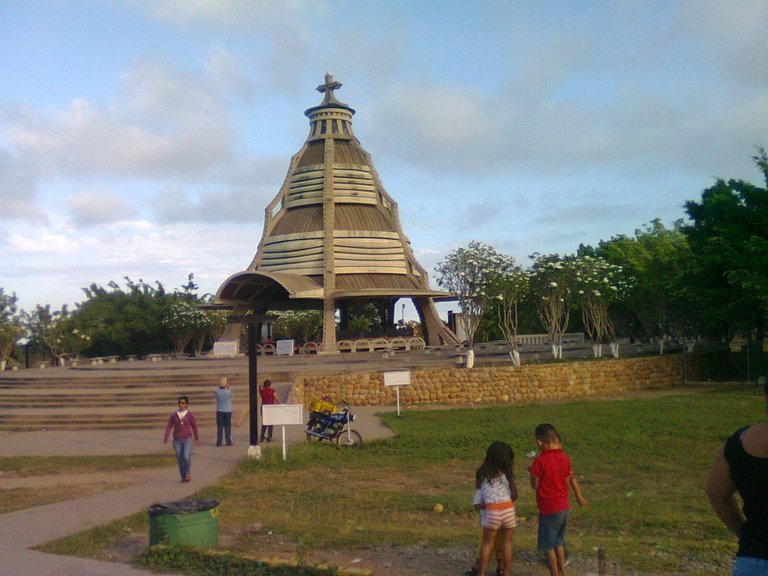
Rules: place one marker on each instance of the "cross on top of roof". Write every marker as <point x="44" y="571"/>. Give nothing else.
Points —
<point x="328" y="88"/>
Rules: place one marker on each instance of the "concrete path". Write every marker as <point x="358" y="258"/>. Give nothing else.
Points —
<point x="24" y="529"/>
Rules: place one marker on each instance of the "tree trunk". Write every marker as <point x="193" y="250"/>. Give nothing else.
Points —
<point x="470" y="358"/>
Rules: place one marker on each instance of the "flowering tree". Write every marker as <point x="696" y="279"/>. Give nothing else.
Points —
<point x="10" y="326"/>
<point x="551" y="280"/>
<point x="465" y="273"/>
<point x="598" y="284"/>
<point x="58" y="332"/>
<point x="508" y="289"/>
<point x="303" y="325"/>
<point x="64" y="340"/>
<point x="188" y="323"/>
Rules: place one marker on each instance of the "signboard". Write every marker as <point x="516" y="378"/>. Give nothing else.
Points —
<point x="397" y="378"/>
<point x="284" y="347"/>
<point x="282" y="414"/>
<point x="228" y="348"/>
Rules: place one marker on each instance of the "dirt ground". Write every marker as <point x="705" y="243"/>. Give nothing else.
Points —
<point x="411" y="560"/>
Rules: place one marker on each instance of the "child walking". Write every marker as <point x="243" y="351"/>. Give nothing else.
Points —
<point x="550" y="475"/>
<point x="496" y="500"/>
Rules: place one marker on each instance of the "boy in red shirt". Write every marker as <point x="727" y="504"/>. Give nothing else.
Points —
<point x="550" y="475"/>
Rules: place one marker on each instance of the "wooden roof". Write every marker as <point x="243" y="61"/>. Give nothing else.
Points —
<point x="333" y="216"/>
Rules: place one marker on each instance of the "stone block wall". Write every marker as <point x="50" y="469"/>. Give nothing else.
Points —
<point x="505" y="384"/>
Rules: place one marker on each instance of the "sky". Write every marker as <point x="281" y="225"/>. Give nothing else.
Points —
<point x="145" y="138"/>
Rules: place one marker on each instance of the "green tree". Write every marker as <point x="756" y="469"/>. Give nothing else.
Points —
<point x="190" y="322"/>
<point x="123" y="322"/>
<point x="301" y="325"/>
<point x="10" y="326"/>
<point x="728" y="236"/>
<point x="658" y="259"/>
<point x="57" y="333"/>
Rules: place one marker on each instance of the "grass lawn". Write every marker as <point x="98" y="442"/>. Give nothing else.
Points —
<point x="641" y="463"/>
<point x="16" y="467"/>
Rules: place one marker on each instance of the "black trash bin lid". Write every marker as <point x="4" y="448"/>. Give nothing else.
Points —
<point x="182" y="507"/>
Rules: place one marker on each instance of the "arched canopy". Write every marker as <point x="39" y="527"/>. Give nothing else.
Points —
<point x="249" y="286"/>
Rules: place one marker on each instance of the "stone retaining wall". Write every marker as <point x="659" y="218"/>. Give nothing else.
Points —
<point x="529" y="383"/>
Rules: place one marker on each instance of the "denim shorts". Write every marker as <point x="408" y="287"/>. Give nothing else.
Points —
<point x="552" y="530"/>
<point x="746" y="566"/>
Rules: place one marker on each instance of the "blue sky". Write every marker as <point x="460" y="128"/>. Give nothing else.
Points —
<point x="145" y="138"/>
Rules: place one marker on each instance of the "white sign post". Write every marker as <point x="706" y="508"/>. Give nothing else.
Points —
<point x="284" y="348"/>
<point x="282" y="415"/>
<point x="397" y="379"/>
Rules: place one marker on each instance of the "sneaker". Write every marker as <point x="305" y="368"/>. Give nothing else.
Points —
<point x="187" y="479"/>
<point x="499" y="572"/>
<point x="472" y="572"/>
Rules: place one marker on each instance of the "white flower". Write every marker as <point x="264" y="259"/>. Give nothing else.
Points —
<point x="553" y="284"/>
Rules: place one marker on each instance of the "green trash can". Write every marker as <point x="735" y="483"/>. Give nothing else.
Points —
<point x="190" y="522"/>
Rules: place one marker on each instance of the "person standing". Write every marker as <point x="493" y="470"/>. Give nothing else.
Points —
<point x="223" y="397"/>
<point x="741" y="466"/>
<point x="268" y="396"/>
<point x="495" y="497"/>
<point x="550" y="474"/>
<point x="184" y="427"/>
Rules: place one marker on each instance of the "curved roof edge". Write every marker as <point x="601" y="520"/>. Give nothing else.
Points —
<point x="243" y="287"/>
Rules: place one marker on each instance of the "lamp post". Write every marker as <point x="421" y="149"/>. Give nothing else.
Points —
<point x="253" y="321"/>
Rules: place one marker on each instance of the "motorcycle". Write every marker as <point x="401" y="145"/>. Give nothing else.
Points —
<point x="334" y="427"/>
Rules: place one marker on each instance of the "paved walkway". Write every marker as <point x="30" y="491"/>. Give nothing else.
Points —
<point x="22" y="530"/>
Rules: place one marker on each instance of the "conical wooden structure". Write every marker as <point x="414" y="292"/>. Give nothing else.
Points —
<point x="332" y="236"/>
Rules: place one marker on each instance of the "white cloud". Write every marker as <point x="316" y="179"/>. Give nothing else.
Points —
<point x="227" y="75"/>
<point x="93" y="208"/>
<point x="165" y="125"/>
<point x="47" y="242"/>
<point x="236" y="204"/>
<point x="18" y="190"/>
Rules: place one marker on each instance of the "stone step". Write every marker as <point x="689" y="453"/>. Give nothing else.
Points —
<point x="109" y="401"/>
<point x="126" y="383"/>
<point x="97" y="398"/>
<point x="11" y="423"/>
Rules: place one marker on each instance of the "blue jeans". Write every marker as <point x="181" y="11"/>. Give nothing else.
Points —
<point x="746" y="566"/>
<point x="552" y="530"/>
<point x="183" y="449"/>
<point x="224" y="424"/>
